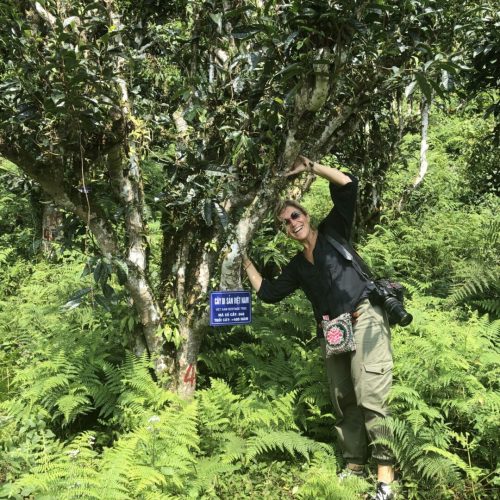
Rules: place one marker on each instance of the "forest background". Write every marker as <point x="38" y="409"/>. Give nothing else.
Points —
<point x="143" y="148"/>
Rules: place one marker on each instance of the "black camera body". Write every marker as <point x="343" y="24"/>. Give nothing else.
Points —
<point x="389" y="295"/>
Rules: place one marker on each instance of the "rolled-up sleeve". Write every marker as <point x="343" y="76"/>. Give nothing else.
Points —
<point x="274" y="290"/>
<point x="341" y="216"/>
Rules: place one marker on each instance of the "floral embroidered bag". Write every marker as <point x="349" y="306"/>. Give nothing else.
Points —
<point x="339" y="334"/>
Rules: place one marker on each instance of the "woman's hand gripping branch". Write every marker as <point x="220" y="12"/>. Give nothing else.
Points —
<point x="331" y="174"/>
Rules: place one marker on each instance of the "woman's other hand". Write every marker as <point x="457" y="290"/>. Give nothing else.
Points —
<point x="354" y="317"/>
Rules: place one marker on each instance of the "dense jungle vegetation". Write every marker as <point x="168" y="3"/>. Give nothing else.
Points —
<point x="139" y="141"/>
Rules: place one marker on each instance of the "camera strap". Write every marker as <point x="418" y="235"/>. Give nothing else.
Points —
<point x="357" y="262"/>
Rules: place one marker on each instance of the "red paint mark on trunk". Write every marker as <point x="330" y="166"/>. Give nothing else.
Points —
<point x="190" y="375"/>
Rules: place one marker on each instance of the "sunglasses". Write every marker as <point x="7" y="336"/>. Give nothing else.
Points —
<point x="293" y="216"/>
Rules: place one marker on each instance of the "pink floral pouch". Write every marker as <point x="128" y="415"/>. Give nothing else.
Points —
<point x="339" y="334"/>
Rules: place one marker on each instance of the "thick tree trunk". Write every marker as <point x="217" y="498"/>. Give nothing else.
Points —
<point x="191" y="332"/>
<point x="188" y="266"/>
<point x="126" y="177"/>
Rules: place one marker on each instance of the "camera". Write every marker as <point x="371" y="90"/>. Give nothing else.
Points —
<point x="389" y="295"/>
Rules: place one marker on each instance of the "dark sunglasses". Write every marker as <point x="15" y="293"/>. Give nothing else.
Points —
<point x="293" y="216"/>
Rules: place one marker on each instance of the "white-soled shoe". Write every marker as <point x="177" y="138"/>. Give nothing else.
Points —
<point x="384" y="492"/>
<point x="348" y="472"/>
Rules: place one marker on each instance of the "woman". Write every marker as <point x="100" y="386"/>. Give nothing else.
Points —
<point x="359" y="380"/>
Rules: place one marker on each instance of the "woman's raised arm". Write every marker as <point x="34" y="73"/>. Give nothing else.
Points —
<point x="331" y="174"/>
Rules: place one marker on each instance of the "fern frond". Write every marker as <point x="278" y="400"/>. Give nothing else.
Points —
<point x="71" y="405"/>
<point x="234" y="447"/>
<point x="284" y="441"/>
<point x="67" y="474"/>
<point x="320" y="481"/>
<point x="146" y="478"/>
<point x="206" y="472"/>
<point x="479" y="280"/>
<point x="473" y="473"/>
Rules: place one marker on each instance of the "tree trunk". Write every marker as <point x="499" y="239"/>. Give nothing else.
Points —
<point x="51" y="226"/>
<point x="423" y="165"/>
<point x="188" y="264"/>
<point x="424" y="110"/>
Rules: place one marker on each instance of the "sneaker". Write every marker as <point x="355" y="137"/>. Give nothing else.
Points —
<point x="384" y="492"/>
<point x="348" y="472"/>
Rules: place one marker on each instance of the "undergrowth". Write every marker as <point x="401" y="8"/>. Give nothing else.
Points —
<point x="80" y="422"/>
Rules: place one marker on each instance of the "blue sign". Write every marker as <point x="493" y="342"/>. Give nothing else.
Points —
<point x="230" y="308"/>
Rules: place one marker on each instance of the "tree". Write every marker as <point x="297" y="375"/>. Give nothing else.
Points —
<point x="479" y="28"/>
<point x="102" y="102"/>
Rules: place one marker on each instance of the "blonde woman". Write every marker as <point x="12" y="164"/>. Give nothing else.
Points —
<point x="359" y="380"/>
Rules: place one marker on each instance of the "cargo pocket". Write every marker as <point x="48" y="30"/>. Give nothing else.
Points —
<point x="375" y="386"/>
<point x="378" y="368"/>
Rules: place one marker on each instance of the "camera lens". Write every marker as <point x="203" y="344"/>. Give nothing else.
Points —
<point x="406" y="319"/>
<point x="396" y="312"/>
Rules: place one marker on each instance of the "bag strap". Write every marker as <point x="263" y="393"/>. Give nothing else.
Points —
<point x="357" y="262"/>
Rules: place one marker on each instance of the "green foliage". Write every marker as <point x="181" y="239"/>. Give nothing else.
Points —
<point x="79" y="414"/>
<point x="267" y="424"/>
<point x="478" y="278"/>
<point x="445" y="242"/>
<point x="71" y="93"/>
<point x="445" y="402"/>
<point x="320" y="481"/>
<point x="16" y="227"/>
<point x="274" y="359"/>
<point x="138" y="440"/>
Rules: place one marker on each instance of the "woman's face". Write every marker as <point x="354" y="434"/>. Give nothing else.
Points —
<point x="296" y="224"/>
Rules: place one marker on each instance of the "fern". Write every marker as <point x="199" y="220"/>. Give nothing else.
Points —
<point x="218" y="407"/>
<point x="233" y="448"/>
<point x="449" y="385"/>
<point x="284" y="441"/>
<point x="320" y="481"/>
<point x="205" y="475"/>
<point x="480" y="287"/>
<point x="67" y="474"/>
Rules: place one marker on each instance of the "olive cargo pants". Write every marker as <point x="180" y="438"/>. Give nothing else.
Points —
<point x="360" y="382"/>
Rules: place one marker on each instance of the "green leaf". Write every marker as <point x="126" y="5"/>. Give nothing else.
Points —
<point x="290" y="38"/>
<point x="248" y="31"/>
<point x="222" y="214"/>
<point x="98" y="271"/>
<point x="217" y="19"/>
<point x="290" y="71"/>
<point x="409" y="88"/>
<point x="86" y="270"/>
<point x="437" y="88"/>
<point x="76" y="299"/>
<point x="207" y="211"/>
<point x="424" y="86"/>
<point x="121" y="271"/>
<point x="71" y="20"/>
<point x="103" y="302"/>
<point x="107" y="290"/>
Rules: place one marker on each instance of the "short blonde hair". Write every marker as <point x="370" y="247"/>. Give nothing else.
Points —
<point x="283" y="204"/>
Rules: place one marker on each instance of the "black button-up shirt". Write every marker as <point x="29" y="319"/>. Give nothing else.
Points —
<point x="331" y="284"/>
